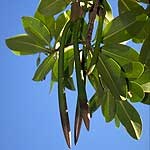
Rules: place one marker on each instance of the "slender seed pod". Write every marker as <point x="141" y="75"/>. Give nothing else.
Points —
<point x="82" y="97"/>
<point x="98" y="40"/>
<point x="61" y="89"/>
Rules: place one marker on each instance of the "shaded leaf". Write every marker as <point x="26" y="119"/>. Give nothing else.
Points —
<point x="130" y="119"/>
<point x="136" y="92"/>
<point x="145" y="52"/>
<point x="69" y="83"/>
<point x="133" y="70"/>
<point x="44" y="68"/>
<point x="146" y="99"/>
<point x="108" y="106"/>
<point x="24" y="45"/>
<point x="128" y="5"/>
<point x="95" y="102"/>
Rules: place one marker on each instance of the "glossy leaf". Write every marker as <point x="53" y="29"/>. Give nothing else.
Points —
<point x="44" y="68"/>
<point x="136" y="92"/>
<point x="110" y="72"/>
<point x="123" y="27"/>
<point x="37" y="30"/>
<point x="145" y="52"/>
<point x="108" y="106"/>
<point x="122" y="54"/>
<point x="24" y="45"/>
<point x="130" y="118"/>
<point x="52" y="7"/>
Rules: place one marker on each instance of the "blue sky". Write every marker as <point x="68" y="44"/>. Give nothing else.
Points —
<point x="29" y="115"/>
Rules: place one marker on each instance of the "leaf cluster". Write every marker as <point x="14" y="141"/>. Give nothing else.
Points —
<point x="83" y="37"/>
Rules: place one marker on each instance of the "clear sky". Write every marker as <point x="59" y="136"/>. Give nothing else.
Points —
<point x="29" y="116"/>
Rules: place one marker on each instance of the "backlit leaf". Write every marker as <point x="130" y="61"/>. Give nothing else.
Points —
<point x="24" y="45"/>
<point x="130" y="118"/>
<point x="44" y="68"/>
<point x="37" y="30"/>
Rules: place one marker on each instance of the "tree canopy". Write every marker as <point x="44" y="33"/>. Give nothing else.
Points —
<point x="83" y="37"/>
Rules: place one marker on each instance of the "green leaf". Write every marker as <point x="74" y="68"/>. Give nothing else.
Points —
<point x="48" y="21"/>
<point x="136" y="93"/>
<point x="60" y="23"/>
<point x="109" y="15"/>
<point x="122" y="54"/>
<point x="130" y="119"/>
<point x="69" y="83"/>
<point x="94" y="103"/>
<point x="143" y="34"/>
<point x="144" y="78"/>
<point x="144" y="81"/>
<point x="111" y="72"/>
<point x="24" y="45"/>
<point x="133" y="70"/>
<point x="108" y="106"/>
<point x="44" y="68"/>
<point x="117" y="121"/>
<point x="52" y="7"/>
<point x="145" y="52"/>
<point x="123" y="27"/>
<point x="37" y="30"/>
<point x="129" y="5"/>
<point x="146" y="99"/>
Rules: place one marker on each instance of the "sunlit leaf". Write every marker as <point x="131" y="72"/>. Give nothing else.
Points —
<point x="48" y="21"/>
<point x="37" y="30"/>
<point x="123" y="27"/>
<point x="24" y="45"/>
<point x="130" y="118"/>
